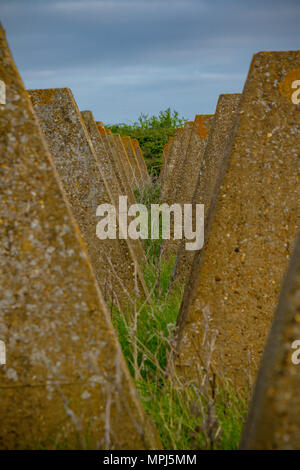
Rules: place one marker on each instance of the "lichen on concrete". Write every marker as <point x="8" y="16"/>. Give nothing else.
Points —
<point x="274" y="418"/>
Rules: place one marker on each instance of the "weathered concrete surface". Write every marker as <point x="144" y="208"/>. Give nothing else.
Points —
<point x="133" y="160"/>
<point x="123" y="188"/>
<point x="274" y="418"/>
<point x="170" y="161"/>
<point x="165" y="154"/>
<point x="210" y="177"/>
<point x="253" y="230"/>
<point x="86" y="188"/>
<point x="101" y="153"/>
<point x="183" y="181"/>
<point x="163" y="164"/>
<point x="114" y="161"/>
<point x="120" y="163"/>
<point x="176" y="156"/>
<point x="114" y="174"/>
<point x="141" y="161"/>
<point x="62" y="353"/>
<point x="121" y="156"/>
<point x="115" y="157"/>
<point x="108" y="155"/>
<point x="122" y="152"/>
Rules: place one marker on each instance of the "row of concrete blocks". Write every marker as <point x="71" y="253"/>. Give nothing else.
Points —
<point x="243" y="164"/>
<point x="65" y="371"/>
<point x="65" y="377"/>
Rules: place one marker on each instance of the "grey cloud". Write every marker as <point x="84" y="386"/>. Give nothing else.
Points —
<point x="157" y="53"/>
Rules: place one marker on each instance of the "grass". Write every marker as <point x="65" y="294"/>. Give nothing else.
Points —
<point x="204" y="415"/>
<point x="207" y="415"/>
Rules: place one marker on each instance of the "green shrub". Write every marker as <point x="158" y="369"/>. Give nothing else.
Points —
<point x="152" y="133"/>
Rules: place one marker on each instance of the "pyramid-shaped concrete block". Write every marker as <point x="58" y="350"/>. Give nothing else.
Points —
<point x="64" y="376"/>
<point x="111" y="162"/>
<point x="183" y="179"/>
<point x="213" y="164"/>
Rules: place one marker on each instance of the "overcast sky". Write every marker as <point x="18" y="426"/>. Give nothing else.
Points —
<point x="124" y="57"/>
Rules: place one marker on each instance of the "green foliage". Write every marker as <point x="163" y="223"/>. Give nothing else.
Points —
<point x="152" y="133"/>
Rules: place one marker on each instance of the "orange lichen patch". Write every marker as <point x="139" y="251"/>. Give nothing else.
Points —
<point x="201" y="128"/>
<point x="101" y="128"/>
<point x="285" y="87"/>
